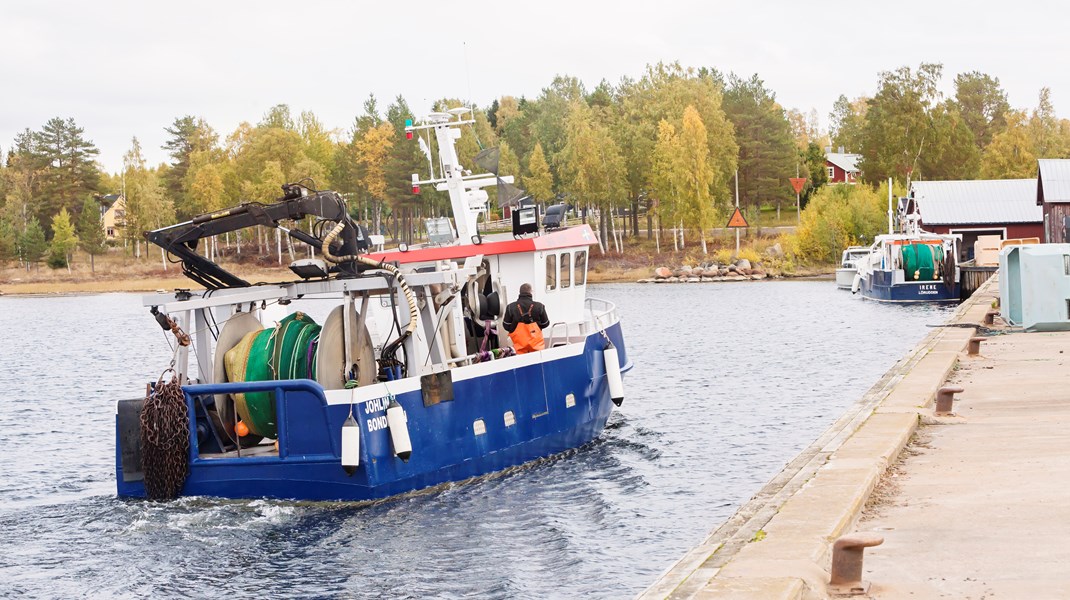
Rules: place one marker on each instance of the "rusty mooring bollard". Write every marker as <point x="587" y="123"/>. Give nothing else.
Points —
<point x="974" y="347"/>
<point x="990" y="316"/>
<point x="944" y="398"/>
<point x="846" y="573"/>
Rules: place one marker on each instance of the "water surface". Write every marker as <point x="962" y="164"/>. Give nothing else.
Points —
<point x="730" y="382"/>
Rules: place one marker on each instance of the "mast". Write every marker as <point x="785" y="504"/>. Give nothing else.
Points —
<point x="467" y="198"/>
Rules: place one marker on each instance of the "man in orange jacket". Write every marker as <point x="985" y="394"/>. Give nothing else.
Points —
<point x="524" y="320"/>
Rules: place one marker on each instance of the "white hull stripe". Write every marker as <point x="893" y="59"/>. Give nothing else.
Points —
<point x="411" y="384"/>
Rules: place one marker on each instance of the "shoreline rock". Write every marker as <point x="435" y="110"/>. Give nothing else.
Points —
<point x="740" y="270"/>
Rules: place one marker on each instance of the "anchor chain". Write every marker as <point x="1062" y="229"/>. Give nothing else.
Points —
<point x="165" y="439"/>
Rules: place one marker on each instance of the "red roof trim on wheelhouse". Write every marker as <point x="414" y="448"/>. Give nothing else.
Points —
<point x="564" y="238"/>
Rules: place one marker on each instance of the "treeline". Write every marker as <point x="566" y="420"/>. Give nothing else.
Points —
<point x="908" y="131"/>
<point x="665" y="146"/>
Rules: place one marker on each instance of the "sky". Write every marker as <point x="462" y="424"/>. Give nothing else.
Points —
<point x="125" y="69"/>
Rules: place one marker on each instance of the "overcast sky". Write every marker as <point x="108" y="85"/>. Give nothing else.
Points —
<point x="124" y="69"/>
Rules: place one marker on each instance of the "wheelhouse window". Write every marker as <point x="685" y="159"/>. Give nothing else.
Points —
<point x="581" y="267"/>
<point x="566" y="270"/>
<point x="551" y="272"/>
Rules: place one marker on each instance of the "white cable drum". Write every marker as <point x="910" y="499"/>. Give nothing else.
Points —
<point x="236" y="327"/>
<point x="613" y="376"/>
<point x="350" y="445"/>
<point x="397" y="421"/>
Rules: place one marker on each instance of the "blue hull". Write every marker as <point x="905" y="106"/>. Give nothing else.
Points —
<point x="555" y="405"/>
<point x="879" y="286"/>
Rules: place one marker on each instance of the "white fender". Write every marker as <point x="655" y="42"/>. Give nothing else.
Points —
<point x="350" y="445"/>
<point x="613" y="377"/>
<point x="397" y="421"/>
<point x="857" y="283"/>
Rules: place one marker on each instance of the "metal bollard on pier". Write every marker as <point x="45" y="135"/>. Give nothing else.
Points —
<point x="974" y="347"/>
<point x="990" y="317"/>
<point x="944" y="397"/>
<point x="846" y="572"/>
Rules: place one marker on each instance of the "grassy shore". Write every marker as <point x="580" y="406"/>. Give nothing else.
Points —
<point x="117" y="271"/>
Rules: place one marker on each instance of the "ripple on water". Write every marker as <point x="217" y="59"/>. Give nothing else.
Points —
<point x="730" y="382"/>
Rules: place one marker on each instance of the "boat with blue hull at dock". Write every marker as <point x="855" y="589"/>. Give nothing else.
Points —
<point x="911" y="266"/>
<point x="411" y="381"/>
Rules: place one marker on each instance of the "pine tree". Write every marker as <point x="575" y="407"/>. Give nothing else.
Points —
<point x="90" y="231"/>
<point x="983" y="105"/>
<point x="32" y="243"/>
<point x="188" y="135"/>
<point x="58" y="166"/>
<point x="8" y="240"/>
<point x="767" y="155"/>
<point x="403" y="160"/>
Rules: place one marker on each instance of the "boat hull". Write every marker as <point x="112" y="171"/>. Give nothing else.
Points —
<point x="503" y="413"/>
<point x="845" y="277"/>
<point x="880" y="285"/>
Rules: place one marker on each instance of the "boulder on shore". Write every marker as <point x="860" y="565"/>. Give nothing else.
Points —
<point x="776" y="251"/>
<point x="662" y="273"/>
<point x="743" y="264"/>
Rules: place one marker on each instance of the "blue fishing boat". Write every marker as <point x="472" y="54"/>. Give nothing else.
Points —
<point x="410" y="381"/>
<point x="908" y="267"/>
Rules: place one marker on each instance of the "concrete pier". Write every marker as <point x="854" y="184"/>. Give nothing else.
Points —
<point x="975" y="507"/>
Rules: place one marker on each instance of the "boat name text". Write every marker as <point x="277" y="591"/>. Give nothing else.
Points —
<point x="377" y="423"/>
<point x="376" y="405"/>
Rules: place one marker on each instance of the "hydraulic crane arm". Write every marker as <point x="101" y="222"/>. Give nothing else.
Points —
<point x="181" y="239"/>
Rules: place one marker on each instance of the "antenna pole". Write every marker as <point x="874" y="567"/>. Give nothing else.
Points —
<point x="890" y="227"/>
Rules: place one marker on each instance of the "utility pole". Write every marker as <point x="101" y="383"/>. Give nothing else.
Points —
<point x="737" y="208"/>
<point x="798" y="202"/>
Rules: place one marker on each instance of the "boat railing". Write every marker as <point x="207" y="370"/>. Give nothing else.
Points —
<point x="600" y="314"/>
<point x="303" y="396"/>
<point x="552" y="340"/>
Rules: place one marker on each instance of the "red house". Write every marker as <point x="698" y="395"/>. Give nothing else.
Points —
<point x="842" y="167"/>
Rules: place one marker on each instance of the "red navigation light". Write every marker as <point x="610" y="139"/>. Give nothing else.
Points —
<point x="415" y="189"/>
<point x="408" y="135"/>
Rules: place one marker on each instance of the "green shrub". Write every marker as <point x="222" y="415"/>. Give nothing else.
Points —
<point x="57" y="261"/>
<point x="836" y="217"/>
<point x="750" y="254"/>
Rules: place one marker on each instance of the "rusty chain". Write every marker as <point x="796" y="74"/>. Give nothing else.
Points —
<point x="165" y="439"/>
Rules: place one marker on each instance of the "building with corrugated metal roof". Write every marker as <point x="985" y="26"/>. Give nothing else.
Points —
<point x="1053" y="198"/>
<point x="1004" y="207"/>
